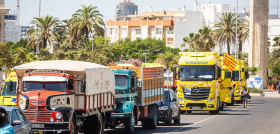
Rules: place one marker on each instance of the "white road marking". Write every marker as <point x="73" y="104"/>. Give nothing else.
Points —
<point x="201" y="121"/>
<point x="194" y="123"/>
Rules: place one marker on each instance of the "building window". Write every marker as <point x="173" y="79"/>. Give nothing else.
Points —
<point x="112" y="30"/>
<point x="124" y="31"/>
<point x="137" y="30"/>
<point x="158" y="31"/>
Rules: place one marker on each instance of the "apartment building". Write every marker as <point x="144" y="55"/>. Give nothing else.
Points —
<point x="169" y="26"/>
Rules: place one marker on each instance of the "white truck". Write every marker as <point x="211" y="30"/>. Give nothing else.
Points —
<point x="63" y="95"/>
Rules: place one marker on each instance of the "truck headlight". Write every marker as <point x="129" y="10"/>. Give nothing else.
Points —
<point x="211" y="100"/>
<point x="163" y="108"/>
<point x="23" y="102"/>
<point x="181" y="100"/>
<point x="58" y="116"/>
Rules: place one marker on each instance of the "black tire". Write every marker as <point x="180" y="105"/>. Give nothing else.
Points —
<point x="228" y="104"/>
<point x="145" y="123"/>
<point x="222" y="106"/>
<point x="100" y="123"/>
<point x="189" y="112"/>
<point x="177" y="120"/>
<point x="169" y="120"/>
<point x="154" y="121"/>
<point x="89" y="121"/>
<point x="73" y="127"/>
<point x="129" y="125"/>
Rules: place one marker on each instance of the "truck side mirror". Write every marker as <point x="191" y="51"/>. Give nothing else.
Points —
<point x="247" y="75"/>
<point x="223" y="76"/>
<point x="219" y="73"/>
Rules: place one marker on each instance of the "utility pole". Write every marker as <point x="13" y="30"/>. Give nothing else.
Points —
<point x="236" y="36"/>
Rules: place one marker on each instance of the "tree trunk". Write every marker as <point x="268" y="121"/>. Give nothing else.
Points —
<point x="240" y="50"/>
<point x="45" y="43"/>
<point x="228" y="48"/>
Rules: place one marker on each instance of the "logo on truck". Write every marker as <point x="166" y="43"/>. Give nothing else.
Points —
<point x="197" y="62"/>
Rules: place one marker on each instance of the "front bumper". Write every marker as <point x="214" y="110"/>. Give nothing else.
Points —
<point x="50" y="126"/>
<point x="120" y="115"/>
<point x="163" y="115"/>
<point x="198" y="106"/>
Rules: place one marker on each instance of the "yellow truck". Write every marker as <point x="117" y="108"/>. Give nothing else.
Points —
<point x="226" y="92"/>
<point x="8" y="93"/>
<point x="239" y="76"/>
<point x="198" y="87"/>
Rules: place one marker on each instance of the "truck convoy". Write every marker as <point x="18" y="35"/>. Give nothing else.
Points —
<point x="69" y="96"/>
<point x="239" y="76"/>
<point x="138" y="90"/>
<point x="8" y="93"/>
<point x="198" y="87"/>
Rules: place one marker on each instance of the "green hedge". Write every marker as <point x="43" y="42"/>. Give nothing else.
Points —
<point x="254" y="90"/>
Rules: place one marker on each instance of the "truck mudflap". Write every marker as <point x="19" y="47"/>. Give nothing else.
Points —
<point x="120" y="115"/>
<point x="50" y="126"/>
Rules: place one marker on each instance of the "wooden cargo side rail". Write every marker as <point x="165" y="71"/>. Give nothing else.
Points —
<point x="96" y="102"/>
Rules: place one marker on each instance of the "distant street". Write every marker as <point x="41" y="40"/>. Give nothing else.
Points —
<point x="260" y="117"/>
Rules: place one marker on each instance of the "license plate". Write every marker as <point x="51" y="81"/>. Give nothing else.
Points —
<point x="196" y="107"/>
<point x="38" y="125"/>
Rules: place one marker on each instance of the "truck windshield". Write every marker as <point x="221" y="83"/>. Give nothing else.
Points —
<point x="121" y="80"/>
<point x="9" y="89"/>
<point x="55" y="86"/>
<point x="235" y="75"/>
<point x="197" y="73"/>
<point x="227" y="74"/>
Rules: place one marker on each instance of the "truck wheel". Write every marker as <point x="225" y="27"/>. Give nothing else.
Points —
<point x="129" y="125"/>
<point x="214" y="112"/>
<point x="182" y="112"/>
<point x="73" y="127"/>
<point x="99" y="125"/>
<point x="144" y="123"/>
<point x="178" y="119"/>
<point x="169" y="120"/>
<point x="154" y="121"/>
<point x="222" y="106"/>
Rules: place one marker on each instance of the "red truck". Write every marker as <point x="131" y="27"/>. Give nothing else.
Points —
<point x="69" y="96"/>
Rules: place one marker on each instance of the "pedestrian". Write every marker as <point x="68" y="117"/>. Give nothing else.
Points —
<point x="5" y="128"/>
<point x="245" y="93"/>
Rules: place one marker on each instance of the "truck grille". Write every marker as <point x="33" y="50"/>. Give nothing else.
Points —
<point x="43" y="114"/>
<point x="197" y="94"/>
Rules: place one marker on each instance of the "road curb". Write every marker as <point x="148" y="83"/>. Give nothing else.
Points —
<point x="257" y="94"/>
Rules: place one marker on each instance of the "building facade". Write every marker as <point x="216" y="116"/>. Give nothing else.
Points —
<point x="124" y="9"/>
<point x="3" y="12"/>
<point x="12" y="30"/>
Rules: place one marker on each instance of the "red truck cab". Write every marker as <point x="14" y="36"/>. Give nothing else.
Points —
<point x="37" y="89"/>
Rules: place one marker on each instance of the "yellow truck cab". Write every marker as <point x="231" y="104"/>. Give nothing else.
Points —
<point x="8" y="93"/>
<point x="198" y="84"/>
<point x="226" y="92"/>
<point x="238" y="77"/>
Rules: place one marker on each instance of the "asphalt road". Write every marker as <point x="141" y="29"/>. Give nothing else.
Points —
<point x="262" y="116"/>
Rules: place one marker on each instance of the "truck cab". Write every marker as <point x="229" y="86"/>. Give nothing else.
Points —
<point x="38" y="90"/>
<point x="8" y="92"/>
<point x="227" y="93"/>
<point x="198" y="87"/>
<point x="126" y="95"/>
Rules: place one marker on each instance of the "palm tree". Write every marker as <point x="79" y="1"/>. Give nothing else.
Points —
<point x="190" y="40"/>
<point x="88" y="21"/>
<point x="201" y="41"/>
<point x="225" y="29"/>
<point x="205" y="40"/>
<point x="276" y="41"/>
<point x="168" y="59"/>
<point x="44" y="33"/>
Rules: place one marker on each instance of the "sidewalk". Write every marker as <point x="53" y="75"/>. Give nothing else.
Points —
<point x="272" y="94"/>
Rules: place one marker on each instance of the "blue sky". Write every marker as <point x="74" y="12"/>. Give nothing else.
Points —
<point x="63" y="9"/>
